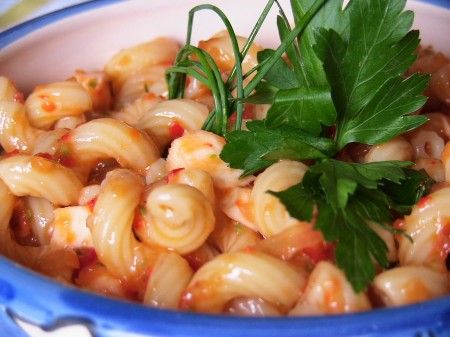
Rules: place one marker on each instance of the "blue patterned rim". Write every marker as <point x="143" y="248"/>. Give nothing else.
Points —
<point x="49" y="304"/>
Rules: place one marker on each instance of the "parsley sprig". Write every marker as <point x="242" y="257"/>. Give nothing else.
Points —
<point x="342" y="82"/>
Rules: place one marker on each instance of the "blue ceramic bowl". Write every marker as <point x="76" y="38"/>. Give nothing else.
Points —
<point x="85" y="36"/>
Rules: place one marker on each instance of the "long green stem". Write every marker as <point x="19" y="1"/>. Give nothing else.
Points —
<point x="252" y="36"/>
<point x="300" y="26"/>
<point x="237" y="57"/>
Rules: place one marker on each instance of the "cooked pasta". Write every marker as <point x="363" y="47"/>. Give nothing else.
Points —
<point x="108" y="184"/>
<point x="147" y="81"/>
<point x="167" y="280"/>
<point x="167" y="120"/>
<point x="42" y="216"/>
<point x="16" y="133"/>
<point x="410" y="284"/>
<point x="40" y="177"/>
<point x="195" y="178"/>
<point x="200" y="150"/>
<point x="271" y="216"/>
<point x="111" y="226"/>
<point x="178" y="217"/>
<point x="429" y="230"/>
<point x="109" y="138"/>
<point x="97" y="84"/>
<point x="241" y="274"/>
<point x="136" y="58"/>
<point x="132" y="113"/>
<point x="50" y="102"/>
<point x="220" y="48"/>
<point x="328" y="292"/>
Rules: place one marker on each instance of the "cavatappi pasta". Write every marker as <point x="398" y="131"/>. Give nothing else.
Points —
<point x="108" y="185"/>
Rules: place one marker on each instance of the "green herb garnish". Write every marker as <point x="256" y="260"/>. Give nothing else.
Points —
<point x="343" y="82"/>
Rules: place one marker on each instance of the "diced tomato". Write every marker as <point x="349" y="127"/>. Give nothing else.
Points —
<point x="12" y="153"/>
<point x="172" y="174"/>
<point x="175" y="130"/>
<point x="423" y="202"/>
<point x="320" y="252"/>
<point x="91" y="204"/>
<point x="86" y="257"/>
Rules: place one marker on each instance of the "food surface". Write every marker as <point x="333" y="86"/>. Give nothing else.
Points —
<point x="311" y="179"/>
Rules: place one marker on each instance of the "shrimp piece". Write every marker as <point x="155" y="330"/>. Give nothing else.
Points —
<point x="329" y="292"/>
<point x="200" y="150"/>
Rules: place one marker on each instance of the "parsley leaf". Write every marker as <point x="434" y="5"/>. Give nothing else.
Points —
<point x="260" y="147"/>
<point x="365" y="67"/>
<point x="348" y="197"/>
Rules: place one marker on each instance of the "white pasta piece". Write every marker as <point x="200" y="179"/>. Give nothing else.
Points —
<point x="70" y="227"/>
<point x="433" y="167"/>
<point x="132" y="113"/>
<point x="427" y="144"/>
<point x="234" y="275"/>
<point x="445" y="159"/>
<point x="70" y="122"/>
<point x="329" y="292"/>
<point x="195" y="178"/>
<point x="167" y="281"/>
<point x="149" y="81"/>
<point x="41" y="211"/>
<point x="46" y="259"/>
<point x="271" y="216"/>
<point x="220" y="48"/>
<point x="47" y="142"/>
<point x="88" y="194"/>
<point x="97" y="84"/>
<point x="389" y="240"/>
<point x="131" y="60"/>
<point x="200" y="150"/>
<point x="178" y="217"/>
<point x="109" y="138"/>
<point x="51" y="102"/>
<point x="16" y="133"/>
<point x="410" y="284"/>
<point x="253" y="307"/>
<point x="111" y="226"/>
<point x="39" y="177"/>
<point x="236" y="204"/>
<point x="168" y="119"/>
<point x="429" y="229"/>
<point x="395" y="149"/>
<point x="230" y="236"/>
